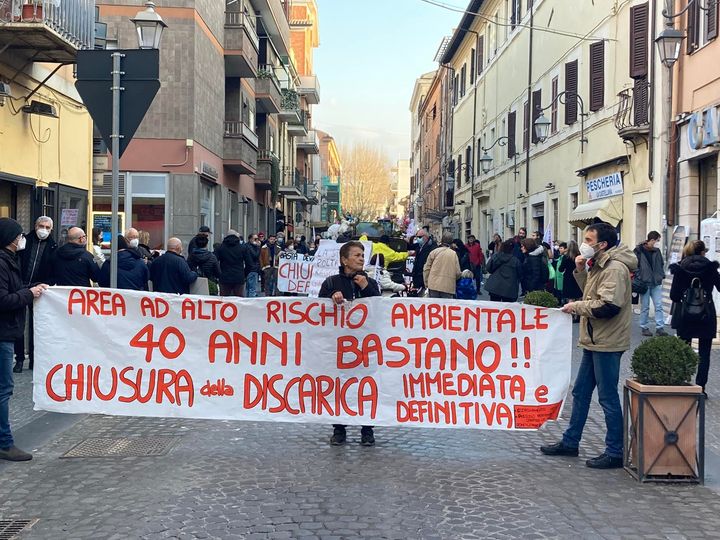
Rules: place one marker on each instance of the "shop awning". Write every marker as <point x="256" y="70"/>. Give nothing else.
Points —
<point x="609" y="210"/>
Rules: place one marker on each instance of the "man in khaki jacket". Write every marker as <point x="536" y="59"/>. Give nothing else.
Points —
<point x="442" y="270"/>
<point x="606" y="317"/>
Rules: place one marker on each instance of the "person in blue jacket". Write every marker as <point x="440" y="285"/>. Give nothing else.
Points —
<point x="171" y="273"/>
<point x="133" y="273"/>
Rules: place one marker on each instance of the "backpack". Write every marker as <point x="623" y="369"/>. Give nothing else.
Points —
<point x="695" y="303"/>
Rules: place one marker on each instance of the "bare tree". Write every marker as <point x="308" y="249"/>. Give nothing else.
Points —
<point x="365" y="185"/>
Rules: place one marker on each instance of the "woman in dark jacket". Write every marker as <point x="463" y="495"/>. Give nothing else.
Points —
<point x="231" y="255"/>
<point x="571" y="290"/>
<point x="535" y="271"/>
<point x="505" y="272"/>
<point x="203" y="262"/>
<point x="696" y="266"/>
<point x="462" y="253"/>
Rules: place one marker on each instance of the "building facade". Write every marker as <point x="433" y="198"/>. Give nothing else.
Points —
<point x="603" y="154"/>
<point x="422" y="85"/>
<point x="45" y="131"/>
<point x="330" y="209"/>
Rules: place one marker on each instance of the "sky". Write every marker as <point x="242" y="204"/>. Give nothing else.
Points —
<point x="371" y="52"/>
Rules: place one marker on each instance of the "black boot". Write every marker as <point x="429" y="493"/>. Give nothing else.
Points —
<point x="339" y="437"/>
<point x="18" y="367"/>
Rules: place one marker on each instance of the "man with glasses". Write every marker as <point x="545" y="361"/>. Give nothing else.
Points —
<point x="74" y="265"/>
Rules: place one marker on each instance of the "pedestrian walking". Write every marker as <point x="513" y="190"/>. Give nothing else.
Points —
<point x="15" y="297"/>
<point x="252" y="266"/>
<point x="535" y="272"/>
<point x="170" y="273"/>
<point x="606" y="318"/>
<point x="36" y="267"/>
<point x="442" y="270"/>
<point x="269" y="262"/>
<point x="350" y="283"/>
<point x="505" y="272"/>
<point x="73" y="264"/>
<point x="231" y="256"/>
<point x="559" y="276"/>
<point x="423" y="247"/>
<point x="695" y="270"/>
<point x="202" y="261"/>
<point x="651" y="272"/>
<point x="132" y="271"/>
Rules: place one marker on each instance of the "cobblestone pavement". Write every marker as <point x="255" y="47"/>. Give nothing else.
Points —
<point x="259" y="480"/>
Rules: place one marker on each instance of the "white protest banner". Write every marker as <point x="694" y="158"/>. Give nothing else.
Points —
<point x="295" y="271"/>
<point x="378" y="361"/>
<point x="327" y="262"/>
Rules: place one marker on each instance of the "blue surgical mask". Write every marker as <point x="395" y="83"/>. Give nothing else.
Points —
<point x="421" y="240"/>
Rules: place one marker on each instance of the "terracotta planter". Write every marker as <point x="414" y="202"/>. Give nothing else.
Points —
<point x="32" y="12"/>
<point x="664" y="432"/>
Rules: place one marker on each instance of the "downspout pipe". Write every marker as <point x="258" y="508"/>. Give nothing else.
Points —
<point x="530" y="110"/>
<point x="651" y="104"/>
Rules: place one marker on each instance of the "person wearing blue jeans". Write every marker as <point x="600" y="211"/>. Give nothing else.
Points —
<point x="651" y="272"/>
<point x="251" y="287"/>
<point x="602" y="271"/>
<point x="252" y="265"/>
<point x="14" y="298"/>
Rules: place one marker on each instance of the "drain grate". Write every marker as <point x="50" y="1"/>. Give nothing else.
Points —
<point x="10" y="528"/>
<point x="123" y="447"/>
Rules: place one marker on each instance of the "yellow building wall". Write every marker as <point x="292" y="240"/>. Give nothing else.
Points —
<point x="46" y="149"/>
<point x="503" y="87"/>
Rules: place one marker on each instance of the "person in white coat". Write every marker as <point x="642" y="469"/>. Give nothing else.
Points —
<point x="383" y="276"/>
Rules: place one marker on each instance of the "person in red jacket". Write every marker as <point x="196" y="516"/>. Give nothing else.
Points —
<point x="477" y="260"/>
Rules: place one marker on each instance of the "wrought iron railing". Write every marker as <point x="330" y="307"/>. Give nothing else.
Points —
<point x="74" y="20"/>
<point x="633" y="104"/>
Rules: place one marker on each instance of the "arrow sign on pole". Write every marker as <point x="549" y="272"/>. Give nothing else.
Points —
<point x="140" y="81"/>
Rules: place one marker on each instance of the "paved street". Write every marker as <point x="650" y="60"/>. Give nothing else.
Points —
<point x="258" y="480"/>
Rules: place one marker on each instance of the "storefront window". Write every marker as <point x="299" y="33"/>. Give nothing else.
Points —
<point x="708" y="188"/>
<point x="207" y="205"/>
<point x="16" y="203"/>
<point x="148" y="206"/>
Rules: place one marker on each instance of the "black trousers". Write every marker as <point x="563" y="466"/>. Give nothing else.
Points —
<point x="20" y="343"/>
<point x="496" y="298"/>
<point x="704" y="348"/>
<point x="343" y="426"/>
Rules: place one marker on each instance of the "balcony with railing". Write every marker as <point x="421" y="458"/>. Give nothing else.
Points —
<point x="301" y="126"/>
<point x="290" y="107"/>
<point x="268" y="94"/>
<point x="309" y="88"/>
<point x="310" y="143"/>
<point x="47" y="30"/>
<point x="241" y="44"/>
<point x="294" y="188"/>
<point x="631" y="119"/>
<point x="268" y="167"/>
<point x="240" y="148"/>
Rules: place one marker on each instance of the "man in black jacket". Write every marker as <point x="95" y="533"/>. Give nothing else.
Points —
<point x="14" y="298"/>
<point x="350" y="283"/>
<point x="36" y="267"/>
<point x="424" y="246"/>
<point x="171" y="273"/>
<point x="231" y="255"/>
<point x="73" y="264"/>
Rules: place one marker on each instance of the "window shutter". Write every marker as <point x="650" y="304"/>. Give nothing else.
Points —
<point x="480" y="54"/>
<point x="597" y="75"/>
<point x="571" y="89"/>
<point x="693" y="27"/>
<point x="712" y="20"/>
<point x="511" y="123"/>
<point x="639" y="23"/>
<point x="554" y="106"/>
<point x="526" y="123"/>
<point x="473" y="58"/>
<point x="458" y="176"/>
<point x="536" y="110"/>
<point x="640" y="101"/>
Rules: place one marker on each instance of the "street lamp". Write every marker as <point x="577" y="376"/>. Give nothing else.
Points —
<point x="149" y="26"/>
<point x="486" y="160"/>
<point x="668" y="43"/>
<point x="542" y="124"/>
<point x="486" y="163"/>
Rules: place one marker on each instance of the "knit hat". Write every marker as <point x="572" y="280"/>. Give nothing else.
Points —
<point x="122" y="242"/>
<point x="9" y="231"/>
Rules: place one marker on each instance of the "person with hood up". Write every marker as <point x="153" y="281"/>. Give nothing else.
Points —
<point x="231" y="256"/>
<point x="385" y="281"/>
<point x="133" y="273"/>
<point x="349" y="283"/>
<point x="36" y="266"/>
<point x="505" y="273"/>
<point x="170" y="272"/>
<point x="442" y="270"/>
<point x="252" y="265"/>
<point x="603" y="273"/>
<point x="389" y="254"/>
<point x="14" y="298"/>
<point x="651" y="271"/>
<point x="202" y="261"/>
<point x="73" y="264"/>
<point x="696" y="266"/>
<point x="535" y="271"/>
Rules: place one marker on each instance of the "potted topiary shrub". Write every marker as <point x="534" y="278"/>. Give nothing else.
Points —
<point x="664" y="413"/>
<point x="541" y="299"/>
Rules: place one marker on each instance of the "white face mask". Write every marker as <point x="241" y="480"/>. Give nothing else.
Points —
<point x="587" y="251"/>
<point x="42" y="233"/>
<point x="21" y="244"/>
<point x="134" y="243"/>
